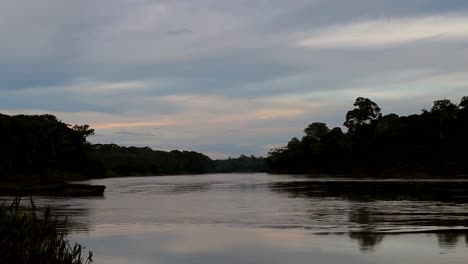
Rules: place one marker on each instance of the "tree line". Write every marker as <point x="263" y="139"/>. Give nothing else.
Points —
<point x="41" y="147"/>
<point x="241" y="164"/>
<point x="432" y="142"/>
<point x="127" y="161"/>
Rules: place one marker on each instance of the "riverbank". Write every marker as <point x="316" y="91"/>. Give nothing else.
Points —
<point x="51" y="189"/>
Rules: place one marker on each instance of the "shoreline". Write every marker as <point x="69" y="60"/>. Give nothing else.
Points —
<point x="51" y="189"/>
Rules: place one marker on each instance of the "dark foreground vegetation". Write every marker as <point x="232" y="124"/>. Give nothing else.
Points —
<point x="27" y="238"/>
<point x="434" y="142"/>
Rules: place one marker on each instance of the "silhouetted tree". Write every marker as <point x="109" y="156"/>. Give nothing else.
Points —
<point x="83" y="130"/>
<point x="446" y="112"/>
<point x="317" y="130"/>
<point x="43" y="147"/>
<point x="365" y="112"/>
<point x="464" y="102"/>
<point x="434" y="141"/>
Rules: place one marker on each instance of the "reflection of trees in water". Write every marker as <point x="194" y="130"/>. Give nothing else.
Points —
<point x="362" y="190"/>
<point x="366" y="235"/>
<point x="367" y="241"/>
<point x="369" y="236"/>
<point x="450" y="240"/>
<point x="436" y="204"/>
<point x="362" y="216"/>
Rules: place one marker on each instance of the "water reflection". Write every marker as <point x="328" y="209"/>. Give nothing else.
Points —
<point x="451" y="239"/>
<point x="76" y="215"/>
<point x="382" y="208"/>
<point x="371" y="190"/>
<point x="259" y="218"/>
<point x="366" y="211"/>
<point x="366" y="235"/>
<point x="76" y="218"/>
<point x="366" y="241"/>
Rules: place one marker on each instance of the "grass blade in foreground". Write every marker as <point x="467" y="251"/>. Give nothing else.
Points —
<point x="26" y="238"/>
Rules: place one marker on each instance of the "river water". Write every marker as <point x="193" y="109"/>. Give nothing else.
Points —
<point x="262" y="218"/>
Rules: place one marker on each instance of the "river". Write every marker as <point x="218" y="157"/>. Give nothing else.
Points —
<point x="262" y="218"/>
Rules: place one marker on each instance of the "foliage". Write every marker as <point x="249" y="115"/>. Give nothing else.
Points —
<point x="316" y="130"/>
<point x="26" y="238"/>
<point x="43" y="146"/>
<point x="365" y="112"/>
<point x="128" y="161"/>
<point x="241" y="164"/>
<point x="434" y="142"/>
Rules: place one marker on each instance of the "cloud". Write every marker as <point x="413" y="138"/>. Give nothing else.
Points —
<point x="179" y="31"/>
<point x="205" y="123"/>
<point x="107" y="125"/>
<point x="389" y="31"/>
<point x="216" y="75"/>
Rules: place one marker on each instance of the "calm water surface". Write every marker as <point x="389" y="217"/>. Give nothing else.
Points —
<point x="260" y="218"/>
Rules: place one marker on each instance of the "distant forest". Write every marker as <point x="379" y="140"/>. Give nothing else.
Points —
<point x="433" y="142"/>
<point x="41" y="147"/>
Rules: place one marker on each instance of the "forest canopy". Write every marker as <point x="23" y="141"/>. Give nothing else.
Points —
<point x="42" y="145"/>
<point x="432" y="142"/>
<point x="43" y="148"/>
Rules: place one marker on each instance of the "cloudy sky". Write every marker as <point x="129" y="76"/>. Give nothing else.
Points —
<point x="226" y="77"/>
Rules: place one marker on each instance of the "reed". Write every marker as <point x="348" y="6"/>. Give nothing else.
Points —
<point x="28" y="237"/>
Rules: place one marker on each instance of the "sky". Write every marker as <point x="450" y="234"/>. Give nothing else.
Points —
<point x="226" y="77"/>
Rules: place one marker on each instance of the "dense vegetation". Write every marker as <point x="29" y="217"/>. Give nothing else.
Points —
<point x="433" y="142"/>
<point x="26" y="238"/>
<point x="41" y="148"/>
<point x="41" y="145"/>
<point x="241" y="164"/>
<point x="126" y="161"/>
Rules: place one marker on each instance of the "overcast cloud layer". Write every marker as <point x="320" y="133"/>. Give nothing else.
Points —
<point x="226" y="77"/>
